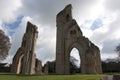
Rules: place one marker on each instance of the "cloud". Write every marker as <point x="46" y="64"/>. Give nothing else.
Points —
<point x="45" y="11"/>
<point x="16" y="39"/>
<point x="8" y="13"/>
<point x="109" y="46"/>
<point x="108" y="56"/>
<point x="0" y="25"/>
<point x="107" y="36"/>
<point x="8" y="9"/>
<point x="45" y="47"/>
<point x="43" y="14"/>
<point x="112" y="5"/>
<point x="96" y="24"/>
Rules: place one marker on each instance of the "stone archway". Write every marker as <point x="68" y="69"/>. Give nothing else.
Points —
<point x="75" y="57"/>
<point x="75" y="61"/>
<point x="69" y="35"/>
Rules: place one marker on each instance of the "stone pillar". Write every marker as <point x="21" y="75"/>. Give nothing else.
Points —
<point x="29" y="39"/>
<point x="24" y="60"/>
<point x="63" y="17"/>
<point x="46" y="68"/>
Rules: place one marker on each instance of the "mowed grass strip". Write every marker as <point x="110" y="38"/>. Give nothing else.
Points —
<point x="49" y="77"/>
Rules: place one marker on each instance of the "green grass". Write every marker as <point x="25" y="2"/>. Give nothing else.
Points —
<point x="49" y="77"/>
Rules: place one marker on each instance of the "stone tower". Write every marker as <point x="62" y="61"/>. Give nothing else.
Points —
<point x="24" y="59"/>
<point x="70" y="36"/>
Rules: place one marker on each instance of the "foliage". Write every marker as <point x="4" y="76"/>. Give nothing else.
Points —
<point x="74" y="69"/>
<point x="111" y="67"/>
<point x="4" y="45"/>
<point x="73" y="66"/>
<point x="117" y="49"/>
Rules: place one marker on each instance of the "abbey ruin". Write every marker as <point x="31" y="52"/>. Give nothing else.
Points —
<point x="24" y="61"/>
<point x="70" y="36"/>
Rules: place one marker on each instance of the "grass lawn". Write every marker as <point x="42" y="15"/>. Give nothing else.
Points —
<point x="49" y="77"/>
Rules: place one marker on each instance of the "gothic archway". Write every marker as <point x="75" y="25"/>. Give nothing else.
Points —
<point x="69" y="35"/>
<point x="74" y="61"/>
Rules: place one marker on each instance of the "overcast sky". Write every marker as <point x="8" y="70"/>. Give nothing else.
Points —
<point x="99" y="20"/>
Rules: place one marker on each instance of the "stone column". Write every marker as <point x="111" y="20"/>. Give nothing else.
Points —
<point x="24" y="60"/>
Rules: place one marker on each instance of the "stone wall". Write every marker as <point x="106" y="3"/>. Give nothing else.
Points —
<point x="25" y="59"/>
<point x="38" y="67"/>
<point x="70" y="36"/>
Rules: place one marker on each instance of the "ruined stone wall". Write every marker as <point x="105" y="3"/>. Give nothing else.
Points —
<point x="70" y="36"/>
<point x="24" y="60"/>
<point x="38" y="67"/>
<point x="29" y="41"/>
<point x="15" y="67"/>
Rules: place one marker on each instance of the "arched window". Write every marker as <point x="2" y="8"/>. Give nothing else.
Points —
<point x="73" y="32"/>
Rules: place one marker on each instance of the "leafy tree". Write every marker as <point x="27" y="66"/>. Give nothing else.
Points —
<point x="4" y="45"/>
<point x="73" y="66"/>
<point x="117" y="48"/>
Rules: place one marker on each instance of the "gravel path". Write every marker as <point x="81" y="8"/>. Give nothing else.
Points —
<point x="109" y="77"/>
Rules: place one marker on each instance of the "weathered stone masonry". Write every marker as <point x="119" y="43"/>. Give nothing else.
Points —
<point x="70" y="36"/>
<point x="24" y="60"/>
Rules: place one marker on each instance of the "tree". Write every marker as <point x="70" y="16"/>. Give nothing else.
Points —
<point x="117" y="49"/>
<point x="4" y="45"/>
<point x="73" y="66"/>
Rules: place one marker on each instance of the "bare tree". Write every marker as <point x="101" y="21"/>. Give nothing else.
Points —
<point x="117" y="49"/>
<point x="4" y="45"/>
